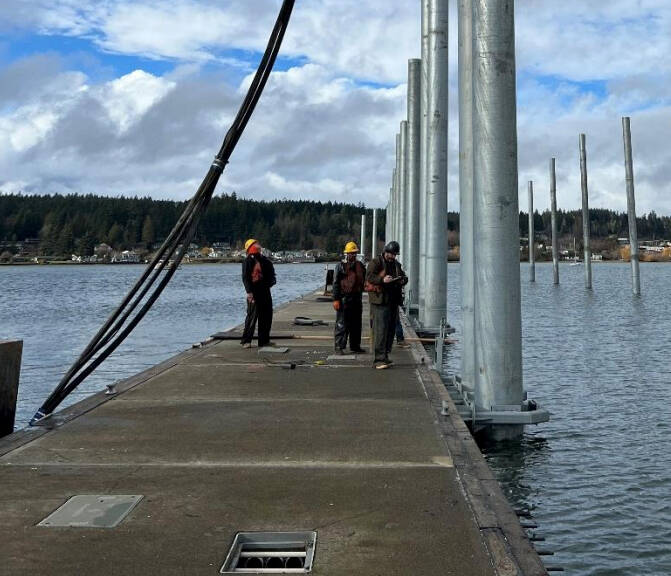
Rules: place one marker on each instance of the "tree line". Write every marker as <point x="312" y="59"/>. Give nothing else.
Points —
<point x="76" y="223"/>
<point x="62" y="225"/>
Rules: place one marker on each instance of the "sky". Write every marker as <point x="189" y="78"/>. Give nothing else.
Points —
<point x="134" y="97"/>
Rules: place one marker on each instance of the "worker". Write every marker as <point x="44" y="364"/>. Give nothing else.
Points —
<point x="384" y="283"/>
<point x="258" y="276"/>
<point x="348" y="282"/>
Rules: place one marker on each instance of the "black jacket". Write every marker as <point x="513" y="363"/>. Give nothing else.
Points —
<point x="390" y="294"/>
<point x="267" y="269"/>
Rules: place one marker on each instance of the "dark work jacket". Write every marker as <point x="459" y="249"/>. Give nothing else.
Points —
<point x="267" y="269"/>
<point x="352" y="286"/>
<point x="390" y="294"/>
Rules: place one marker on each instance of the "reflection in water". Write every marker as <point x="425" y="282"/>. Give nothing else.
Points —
<point x="511" y="461"/>
<point x="597" y="477"/>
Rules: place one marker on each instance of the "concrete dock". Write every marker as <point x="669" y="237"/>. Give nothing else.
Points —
<point x="222" y="439"/>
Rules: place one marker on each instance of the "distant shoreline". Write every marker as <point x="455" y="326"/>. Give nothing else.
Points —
<point x="204" y="262"/>
<point x="234" y="261"/>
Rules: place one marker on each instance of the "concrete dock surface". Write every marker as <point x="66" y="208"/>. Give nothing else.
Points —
<point x="222" y="439"/>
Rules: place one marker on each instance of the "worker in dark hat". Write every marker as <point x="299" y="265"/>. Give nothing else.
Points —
<point x="384" y="283"/>
<point x="348" y="282"/>
<point x="258" y="276"/>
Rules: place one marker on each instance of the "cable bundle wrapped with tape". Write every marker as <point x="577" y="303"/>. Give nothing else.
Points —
<point x="165" y="262"/>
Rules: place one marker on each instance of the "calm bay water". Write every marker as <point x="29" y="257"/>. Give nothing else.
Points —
<point x="597" y="478"/>
<point x="56" y="310"/>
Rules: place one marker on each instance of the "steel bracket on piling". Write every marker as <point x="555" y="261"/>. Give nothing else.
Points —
<point x="526" y="413"/>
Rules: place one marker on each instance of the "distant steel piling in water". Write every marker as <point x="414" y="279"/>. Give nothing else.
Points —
<point x="362" y="248"/>
<point x="631" y="206"/>
<point x="397" y="189"/>
<point x="10" y="369"/>
<point x="373" y="243"/>
<point x="553" y="215"/>
<point x="403" y="194"/>
<point x="387" y="220"/>
<point x="497" y="270"/>
<point x="466" y="216"/>
<point x="532" y="235"/>
<point x="414" y="141"/>
<point x="436" y="204"/>
<point x="587" y="249"/>
<point x="423" y="159"/>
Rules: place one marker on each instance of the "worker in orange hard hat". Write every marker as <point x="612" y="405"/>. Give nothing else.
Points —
<point x="258" y="276"/>
<point x="348" y="282"/>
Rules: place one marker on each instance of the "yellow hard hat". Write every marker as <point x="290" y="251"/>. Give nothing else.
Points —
<point x="249" y="243"/>
<point x="351" y="248"/>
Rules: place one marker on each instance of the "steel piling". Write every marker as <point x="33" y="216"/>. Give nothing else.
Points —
<point x="631" y="207"/>
<point x="497" y="270"/>
<point x="466" y="215"/>
<point x="436" y="204"/>
<point x="553" y="210"/>
<point x="412" y="216"/>
<point x="587" y="250"/>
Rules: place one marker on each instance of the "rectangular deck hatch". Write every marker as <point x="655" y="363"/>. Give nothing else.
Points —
<point x="271" y="553"/>
<point x="91" y="511"/>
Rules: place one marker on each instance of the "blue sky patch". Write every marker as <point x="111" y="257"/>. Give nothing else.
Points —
<point x="81" y="54"/>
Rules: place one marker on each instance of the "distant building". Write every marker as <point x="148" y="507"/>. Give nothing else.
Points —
<point x="126" y="257"/>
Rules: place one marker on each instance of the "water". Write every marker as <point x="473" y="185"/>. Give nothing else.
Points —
<point x="56" y="310"/>
<point x="597" y="477"/>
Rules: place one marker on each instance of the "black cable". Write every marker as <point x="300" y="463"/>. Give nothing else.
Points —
<point x="120" y="324"/>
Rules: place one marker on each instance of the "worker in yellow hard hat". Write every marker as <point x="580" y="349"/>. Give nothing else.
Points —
<point x="258" y="276"/>
<point x="348" y="282"/>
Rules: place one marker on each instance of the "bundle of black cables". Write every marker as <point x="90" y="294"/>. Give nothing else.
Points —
<point x="152" y="282"/>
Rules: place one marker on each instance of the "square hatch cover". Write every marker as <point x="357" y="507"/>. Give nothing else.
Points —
<point x="90" y="511"/>
<point x="271" y="553"/>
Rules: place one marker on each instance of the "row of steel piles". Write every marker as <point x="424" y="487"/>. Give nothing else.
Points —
<point x="587" y="251"/>
<point x="373" y="238"/>
<point x="417" y="208"/>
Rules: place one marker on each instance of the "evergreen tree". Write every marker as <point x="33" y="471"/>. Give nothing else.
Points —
<point x="148" y="231"/>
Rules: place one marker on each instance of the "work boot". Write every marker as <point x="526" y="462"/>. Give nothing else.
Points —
<point x="358" y="350"/>
<point x="339" y="352"/>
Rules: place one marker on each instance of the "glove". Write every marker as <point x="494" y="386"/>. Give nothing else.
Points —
<point x="336" y="305"/>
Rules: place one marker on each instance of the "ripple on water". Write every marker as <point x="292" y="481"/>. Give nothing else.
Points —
<point x="597" y="478"/>
<point x="56" y="310"/>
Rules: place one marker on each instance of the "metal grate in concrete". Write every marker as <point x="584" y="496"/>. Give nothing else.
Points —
<point x="271" y="553"/>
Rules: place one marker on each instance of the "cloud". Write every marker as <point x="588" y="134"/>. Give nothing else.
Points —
<point x="325" y="126"/>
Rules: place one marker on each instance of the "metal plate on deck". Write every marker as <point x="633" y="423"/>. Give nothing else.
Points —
<point x="334" y="357"/>
<point x="273" y="350"/>
<point x="91" y="511"/>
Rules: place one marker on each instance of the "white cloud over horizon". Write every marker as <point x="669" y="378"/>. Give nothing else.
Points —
<point x="325" y="126"/>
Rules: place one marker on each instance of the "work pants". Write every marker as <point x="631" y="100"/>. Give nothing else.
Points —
<point x="260" y="309"/>
<point x="384" y="329"/>
<point x="400" y="337"/>
<point x="348" y="323"/>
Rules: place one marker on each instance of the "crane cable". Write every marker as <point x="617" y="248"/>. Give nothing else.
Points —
<point x="167" y="259"/>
